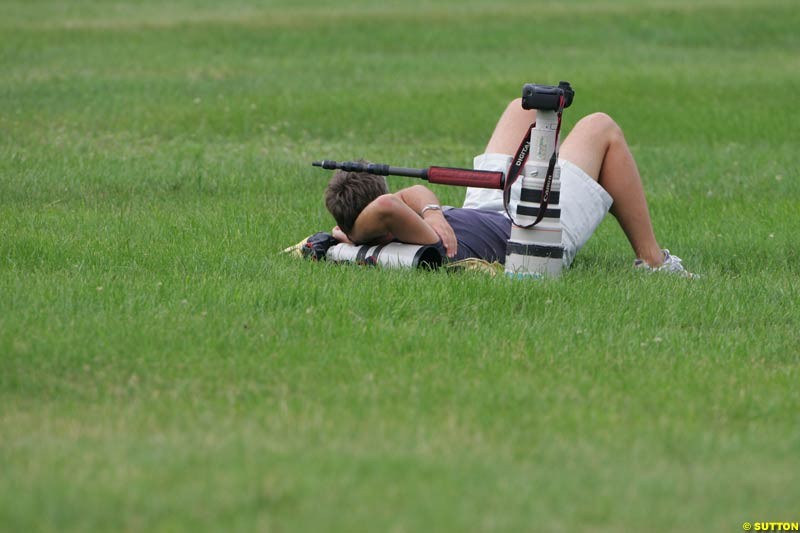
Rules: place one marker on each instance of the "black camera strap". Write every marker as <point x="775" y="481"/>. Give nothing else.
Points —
<point x="519" y="161"/>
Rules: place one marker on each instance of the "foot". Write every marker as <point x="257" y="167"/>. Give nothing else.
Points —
<point x="670" y="263"/>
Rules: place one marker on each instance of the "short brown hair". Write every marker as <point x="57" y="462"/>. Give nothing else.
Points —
<point x="348" y="193"/>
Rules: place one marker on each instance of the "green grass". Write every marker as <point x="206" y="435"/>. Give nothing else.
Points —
<point x="164" y="367"/>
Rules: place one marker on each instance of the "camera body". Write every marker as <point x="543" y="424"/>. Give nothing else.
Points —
<point x="546" y="97"/>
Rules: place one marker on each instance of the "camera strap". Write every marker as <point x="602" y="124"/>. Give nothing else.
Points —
<point x="519" y="161"/>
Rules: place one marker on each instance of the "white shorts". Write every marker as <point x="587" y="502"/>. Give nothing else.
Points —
<point x="584" y="203"/>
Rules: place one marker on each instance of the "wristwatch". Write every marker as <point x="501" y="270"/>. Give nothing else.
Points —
<point x="430" y="207"/>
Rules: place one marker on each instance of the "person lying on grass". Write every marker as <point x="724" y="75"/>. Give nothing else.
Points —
<point x="598" y="174"/>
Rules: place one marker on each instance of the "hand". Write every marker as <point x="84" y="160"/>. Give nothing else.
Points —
<point x="436" y="220"/>
<point x="340" y="236"/>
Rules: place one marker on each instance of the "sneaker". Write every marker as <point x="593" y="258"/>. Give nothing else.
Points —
<point x="671" y="264"/>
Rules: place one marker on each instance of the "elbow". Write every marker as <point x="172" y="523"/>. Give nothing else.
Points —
<point x="386" y="206"/>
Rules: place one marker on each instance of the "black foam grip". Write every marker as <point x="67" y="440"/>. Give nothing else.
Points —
<point x="466" y="178"/>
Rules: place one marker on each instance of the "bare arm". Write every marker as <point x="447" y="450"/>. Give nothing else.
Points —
<point x="419" y="196"/>
<point x="388" y="217"/>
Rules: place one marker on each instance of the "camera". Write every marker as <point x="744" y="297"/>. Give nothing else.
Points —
<point x="546" y="97"/>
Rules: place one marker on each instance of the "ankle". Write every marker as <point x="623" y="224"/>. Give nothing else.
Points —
<point x="654" y="258"/>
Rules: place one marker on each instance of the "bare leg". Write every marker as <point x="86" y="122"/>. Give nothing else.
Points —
<point x="513" y="124"/>
<point x="597" y="145"/>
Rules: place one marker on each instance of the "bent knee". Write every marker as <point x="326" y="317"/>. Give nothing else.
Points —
<point x="600" y="123"/>
<point x="599" y="120"/>
<point x="514" y="106"/>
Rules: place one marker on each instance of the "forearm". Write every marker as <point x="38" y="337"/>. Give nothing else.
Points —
<point x="417" y="197"/>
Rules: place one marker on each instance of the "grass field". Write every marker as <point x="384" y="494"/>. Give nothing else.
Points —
<point x="163" y="367"/>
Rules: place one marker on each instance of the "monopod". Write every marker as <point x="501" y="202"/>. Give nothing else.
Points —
<point x="462" y="177"/>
